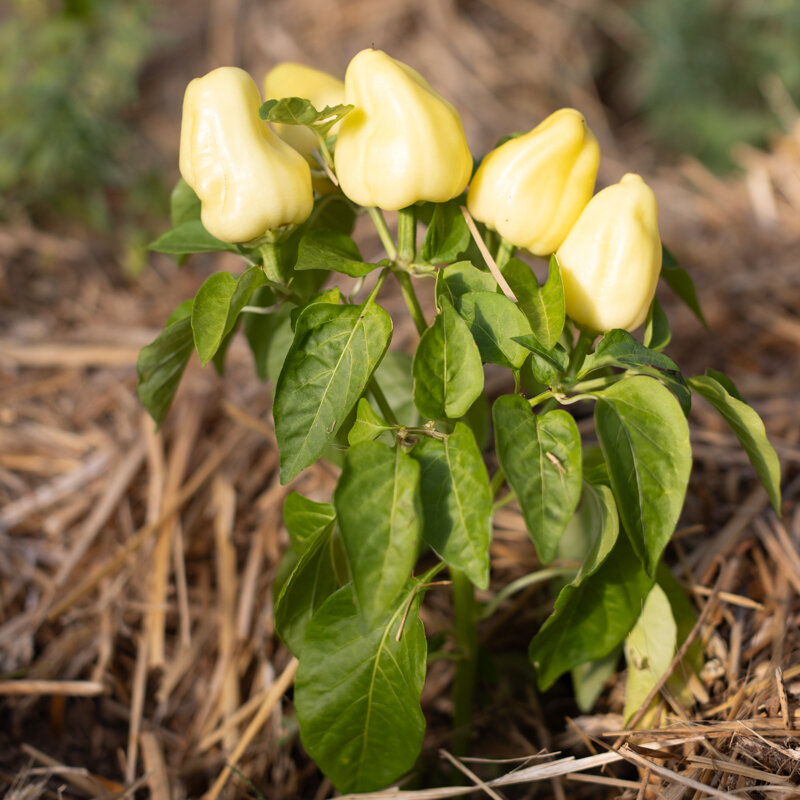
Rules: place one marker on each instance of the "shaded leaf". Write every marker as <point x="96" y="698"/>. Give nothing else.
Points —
<point x="680" y="281"/>
<point x="657" y="333"/>
<point x="190" y="237"/>
<point x="447" y="235"/>
<point x="305" y="519"/>
<point x="326" y="249"/>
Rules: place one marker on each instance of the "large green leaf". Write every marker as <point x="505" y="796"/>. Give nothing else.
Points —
<point x="331" y="250"/>
<point x="327" y="368"/>
<point x="543" y="305"/>
<point x="619" y="349"/>
<point x="541" y="458"/>
<point x="305" y="519"/>
<point x="462" y="277"/>
<point x="592" y="615"/>
<point x="358" y="689"/>
<point x="217" y="306"/>
<point x="161" y="364"/>
<point x="494" y="321"/>
<point x="311" y="582"/>
<point x="378" y="506"/>
<point x="190" y="237"/>
<point x="448" y="375"/>
<point x="645" y="441"/>
<point x="447" y="235"/>
<point x="749" y="430"/>
<point x="456" y="502"/>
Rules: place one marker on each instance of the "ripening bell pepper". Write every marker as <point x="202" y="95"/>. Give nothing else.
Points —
<point x="611" y="258"/>
<point x="532" y="188"/>
<point x="248" y="180"/>
<point x="402" y="142"/>
<point x="297" y="80"/>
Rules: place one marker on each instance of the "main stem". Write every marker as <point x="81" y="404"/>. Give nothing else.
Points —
<point x="466" y="664"/>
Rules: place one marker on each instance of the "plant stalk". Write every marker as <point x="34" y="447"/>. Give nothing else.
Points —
<point x="383" y="232"/>
<point x="466" y="665"/>
<point x="407" y="234"/>
<point x="410" y="296"/>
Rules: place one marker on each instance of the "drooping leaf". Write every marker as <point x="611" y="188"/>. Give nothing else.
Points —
<point x="592" y="615"/>
<point x="304" y="519"/>
<point x="749" y="430"/>
<point x="645" y="441"/>
<point x="184" y="204"/>
<point x="456" y="502"/>
<point x="542" y="305"/>
<point x="541" y="458"/>
<point x="680" y="281"/>
<point x="358" y="689"/>
<point x="447" y="235"/>
<point x="190" y="237"/>
<point x="368" y="425"/>
<point x="657" y="333"/>
<point x="448" y="376"/>
<point x="161" y="364"/>
<point x="649" y="649"/>
<point x="217" y="305"/>
<point x="334" y="352"/>
<point x="378" y="507"/>
<point x="619" y="349"/>
<point x="327" y="249"/>
<point x="495" y="322"/>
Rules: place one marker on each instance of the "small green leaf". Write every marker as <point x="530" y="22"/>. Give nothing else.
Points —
<point x="541" y="458"/>
<point x="592" y="615"/>
<point x="311" y="582"/>
<point x="589" y="680"/>
<point x="305" y="519"/>
<point x="547" y="366"/>
<point x="378" y="506"/>
<point x="190" y="237"/>
<point x="657" y="333"/>
<point x="368" y="425"/>
<point x="218" y="359"/>
<point x="542" y="305"/>
<point x="749" y="430"/>
<point x="447" y="235"/>
<point x="161" y="364"/>
<point x="358" y="689"/>
<point x="330" y="250"/>
<point x="495" y="322"/>
<point x="333" y="355"/>
<point x="184" y="204"/>
<point x="680" y="281"/>
<point x="619" y="349"/>
<point x="217" y="305"/>
<point x="448" y="376"/>
<point x="649" y="649"/>
<point x="462" y="277"/>
<point x="645" y="442"/>
<point x="456" y="502"/>
<point x="299" y="111"/>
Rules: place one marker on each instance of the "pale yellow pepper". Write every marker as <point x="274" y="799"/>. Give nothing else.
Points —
<point x="611" y="258"/>
<point x="532" y="188"/>
<point x="297" y="80"/>
<point x="402" y="142"/>
<point x="248" y="180"/>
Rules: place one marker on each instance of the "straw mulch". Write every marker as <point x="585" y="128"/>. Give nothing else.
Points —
<point x="137" y="651"/>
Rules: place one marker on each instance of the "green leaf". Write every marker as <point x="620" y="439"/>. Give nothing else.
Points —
<point x="378" y="506"/>
<point x="726" y="383"/>
<point x="332" y="296"/>
<point x="330" y="250"/>
<point x="456" y="502"/>
<point x="589" y="680"/>
<point x="448" y="376"/>
<point x="657" y="333"/>
<point x="749" y="430"/>
<point x="358" y="689"/>
<point x="592" y="532"/>
<point x="334" y="352"/>
<point x="461" y="278"/>
<point x="270" y="337"/>
<point x="592" y="615"/>
<point x="217" y="305"/>
<point x="645" y="442"/>
<point x="184" y="204"/>
<point x="333" y="211"/>
<point x="190" y="237"/>
<point x="541" y="458"/>
<point x="218" y="359"/>
<point x="447" y="235"/>
<point x="679" y="280"/>
<point x="619" y="349"/>
<point x="684" y="614"/>
<point x="542" y="305"/>
<point x="161" y="364"/>
<point x="305" y="519"/>
<point x="299" y="111"/>
<point x="649" y="649"/>
<point x="397" y="384"/>
<point x="547" y="366"/>
<point x="368" y="425"/>
<point x="494" y="322"/>
<point x="311" y="582"/>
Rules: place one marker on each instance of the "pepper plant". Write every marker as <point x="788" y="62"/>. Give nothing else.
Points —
<point x="422" y="467"/>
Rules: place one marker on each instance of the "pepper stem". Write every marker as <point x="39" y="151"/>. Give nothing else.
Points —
<point x="412" y="302"/>
<point x="407" y="234"/>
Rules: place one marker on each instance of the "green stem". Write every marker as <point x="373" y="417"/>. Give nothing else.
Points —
<point x="531" y="579"/>
<point x="410" y="296"/>
<point x="503" y="501"/>
<point x="504" y="253"/>
<point x="497" y="481"/>
<point x="383" y="404"/>
<point x="377" y="287"/>
<point x="407" y="234"/>
<point x="578" y="356"/>
<point x="383" y="232"/>
<point x="534" y="401"/>
<point x="596" y="383"/>
<point x="466" y="666"/>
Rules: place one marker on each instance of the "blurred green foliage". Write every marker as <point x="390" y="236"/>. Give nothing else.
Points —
<point x="711" y="72"/>
<point x="68" y="75"/>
